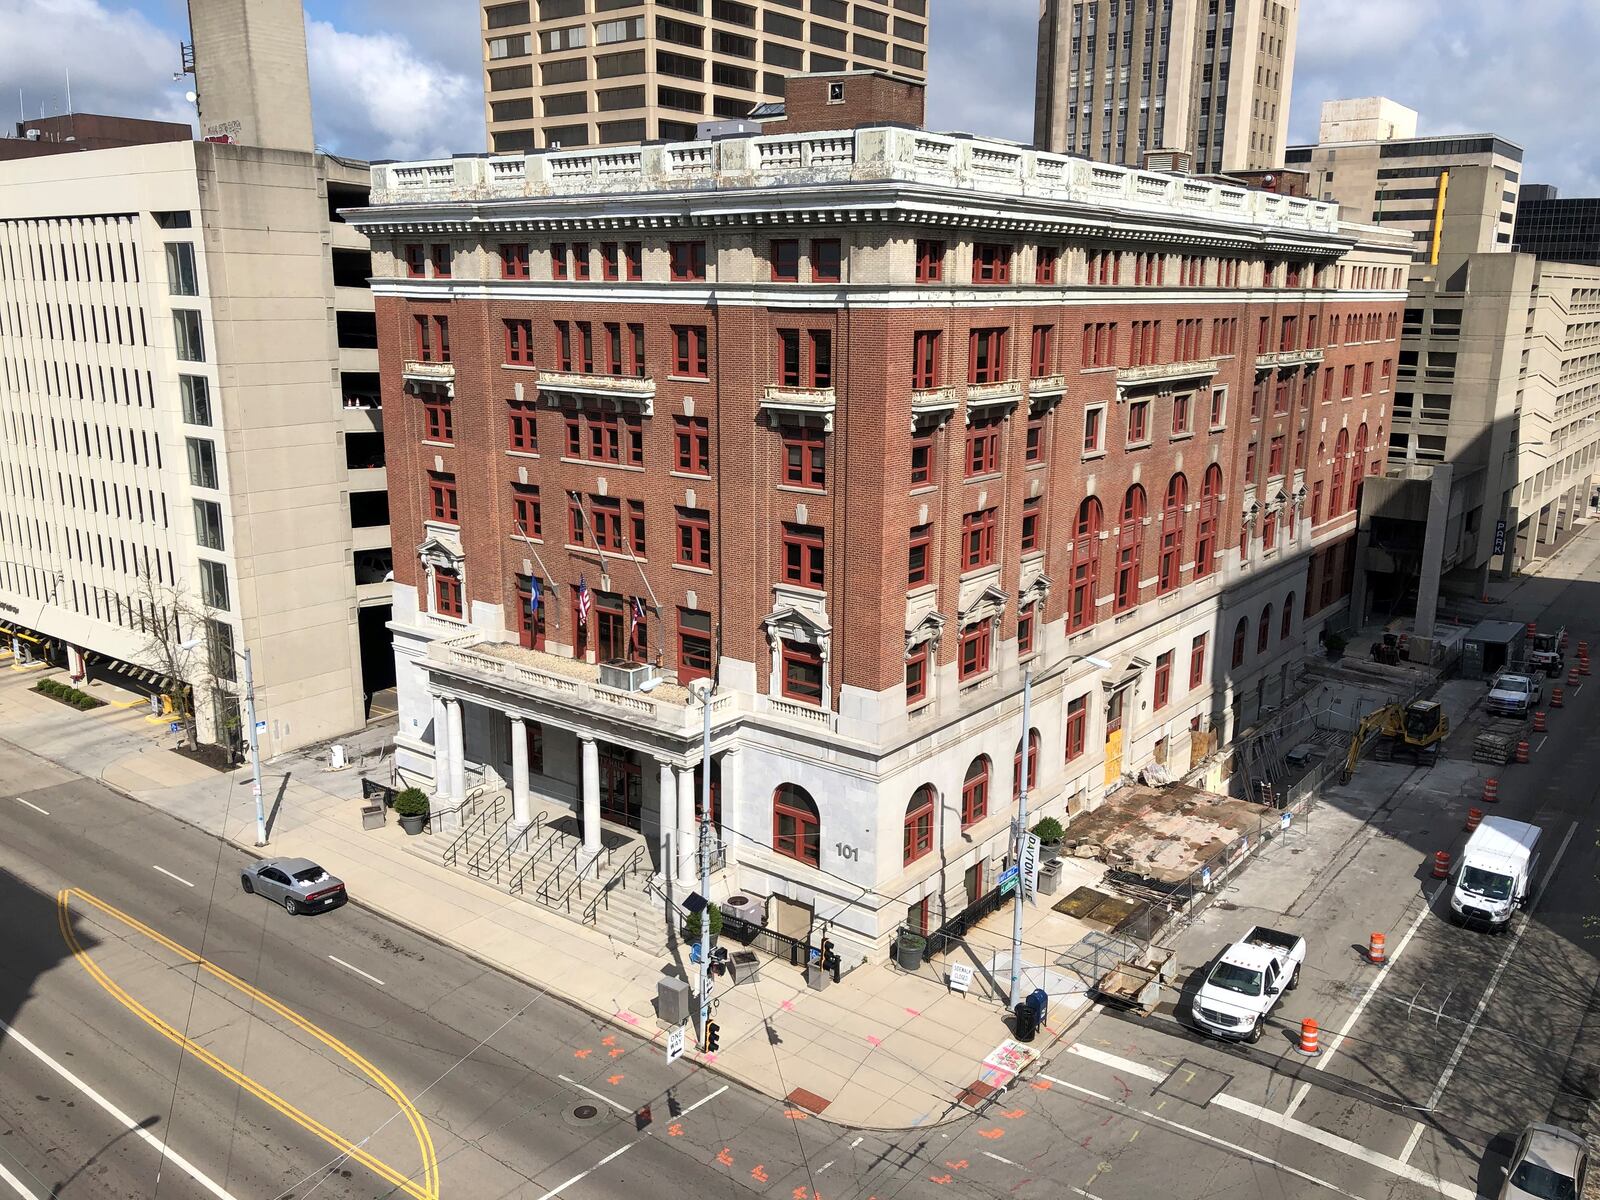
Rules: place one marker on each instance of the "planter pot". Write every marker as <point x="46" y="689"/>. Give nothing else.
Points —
<point x="1049" y="851"/>
<point x="413" y="825"/>
<point x="908" y="951"/>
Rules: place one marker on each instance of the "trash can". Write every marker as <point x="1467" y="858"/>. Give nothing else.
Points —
<point x="1027" y="1026"/>
<point x="1050" y="877"/>
<point x="1039" y="1002"/>
<point x="908" y="950"/>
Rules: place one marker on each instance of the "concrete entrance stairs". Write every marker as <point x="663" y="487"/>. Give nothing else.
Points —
<point x="544" y="865"/>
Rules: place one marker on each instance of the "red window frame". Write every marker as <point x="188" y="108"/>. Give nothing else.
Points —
<point x="805" y="358"/>
<point x="1077" y="727"/>
<point x="438" y="420"/>
<point x="922" y="457"/>
<point x="1041" y="356"/>
<point x="558" y="260"/>
<point x="1277" y="450"/>
<point x="522" y="426"/>
<point x="785" y="258"/>
<point x="432" y="338"/>
<point x="443" y="501"/>
<point x="975" y="792"/>
<point x="514" y="260"/>
<point x="1045" y="265"/>
<point x="694" y="645"/>
<point x="608" y="262"/>
<point x="805" y="457"/>
<point x="802" y="673"/>
<point x="973" y="653"/>
<point x="416" y="259"/>
<point x="580" y="260"/>
<point x="918" y="837"/>
<point x="827" y="260"/>
<point x="1163" y="681"/>
<point x="1130" y="549"/>
<point x="689" y="359"/>
<point x="1138" y="422"/>
<point x="983" y="447"/>
<point x="925" y="372"/>
<point x="694" y="536"/>
<point x="991" y="262"/>
<point x="930" y="260"/>
<point x="519" y="341"/>
<point x="986" y="355"/>
<point x="977" y="539"/>
<point x="1197" y="661"/>
<point x="446" y="593"/>
<point x="796" y="831"/>
<point x="1181" y="407"/>
<point x="917" y="674"/>
<point x="1085" y="572"/>
<point x="919" y="556"/>
<point x="804" y="555"/>
<point x="1032" y="524"/>
<point x="1033" y="764"/>
<point x="526" y="512"/>
<point x="688" y="261"/>
<point x="1025" y="631"/>
<point x="439" y="257"/>
<point x="693" y="437"/>
<point x="1094" y="422"/>
<point x="1033" y="440"/>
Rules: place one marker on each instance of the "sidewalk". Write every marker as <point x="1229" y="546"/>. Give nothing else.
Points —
<point x="885" y="1049"/>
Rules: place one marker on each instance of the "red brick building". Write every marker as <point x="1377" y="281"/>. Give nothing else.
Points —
<point x="859" y="424"/>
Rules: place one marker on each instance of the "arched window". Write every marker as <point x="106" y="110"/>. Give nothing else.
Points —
<point x="1130" y="549"/>
<point x="919" y="824"/>
<point x="796" y="828"/>
<point x="1033" y="764"/>
<point x="1288" y="617"/>
<point x="1341" y="453"/>
<point x="1085" y="565"/>
<point x="1168" y="577"/>
<point x="1205" y="545"/>
<point x="975" y="792"/>
<point x="1359" y="471"/>
<point x="1240" y="632"/>
<point x="1264" y="630"/>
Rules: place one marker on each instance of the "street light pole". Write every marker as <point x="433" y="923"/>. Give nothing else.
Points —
<point x="705" y="856"/>
<point x="255" y="747"/>
<point x="1021" y="840"/>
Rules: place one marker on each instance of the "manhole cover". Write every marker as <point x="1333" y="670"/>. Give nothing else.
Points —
<point x="584" y="1114"/>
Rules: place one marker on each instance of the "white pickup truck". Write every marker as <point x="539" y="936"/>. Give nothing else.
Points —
<point x="1514" y="695"/>
<point x="1247" y="982"/>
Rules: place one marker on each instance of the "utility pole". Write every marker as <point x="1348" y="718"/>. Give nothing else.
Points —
<point x="1020" y="842"/>
<point x="255" y="747"/>
<point x="705" y="856"/>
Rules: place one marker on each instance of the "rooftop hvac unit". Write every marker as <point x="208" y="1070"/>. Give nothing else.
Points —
<point x="627" y="676"/>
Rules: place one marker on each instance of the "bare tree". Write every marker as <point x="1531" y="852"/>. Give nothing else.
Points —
<point x="176" y="643"/>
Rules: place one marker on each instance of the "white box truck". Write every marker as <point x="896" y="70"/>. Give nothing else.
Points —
<point x="1496" y="873"/>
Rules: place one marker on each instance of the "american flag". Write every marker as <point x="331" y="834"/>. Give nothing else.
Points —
<point x="585" y="601"/>
<point x="635" y="616"/>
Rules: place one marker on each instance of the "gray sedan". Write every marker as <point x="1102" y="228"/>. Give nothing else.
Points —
<point x="296" y="883"/>
<point x="1549" y="1163"/>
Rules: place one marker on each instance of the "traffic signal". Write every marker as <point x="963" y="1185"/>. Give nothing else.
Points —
<point x="713" y="1037"/>
<point x="829" y="959"/>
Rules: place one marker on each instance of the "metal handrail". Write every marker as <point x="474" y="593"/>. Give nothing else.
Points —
<point x="453" y="850"/>
<point x="619" y="878"/>
<point x="544" y="849"/>
<point x="581" y="870"/>
<point x="490" y="845"/>
<point x="503" y="859"/>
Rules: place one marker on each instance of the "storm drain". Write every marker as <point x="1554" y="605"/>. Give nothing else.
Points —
<point x="584" y="1114"/>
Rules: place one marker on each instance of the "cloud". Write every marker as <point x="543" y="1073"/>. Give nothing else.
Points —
<point x="374" y="96"/>
<point x="123" y="61"/>
<point x="981" y="66"/>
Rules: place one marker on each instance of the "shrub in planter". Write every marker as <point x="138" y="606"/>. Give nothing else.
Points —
<point x="413" y="802"/>
<point x="1049" y="830"/>
<point x="1334" y="644"/>
<point x="691" y="925"/>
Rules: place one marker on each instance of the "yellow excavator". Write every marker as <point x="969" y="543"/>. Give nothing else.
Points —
<point x="1417" y="729"/>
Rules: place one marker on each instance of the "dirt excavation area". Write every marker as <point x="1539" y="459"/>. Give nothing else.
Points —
<point x="1161" y="836"/>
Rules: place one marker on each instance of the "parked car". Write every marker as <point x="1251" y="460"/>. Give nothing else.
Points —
<point x="1247" y="982"/>
<point x="1515" y="695"/>
<point x="296" y="883"/>
<point x="1549" y="1163"/>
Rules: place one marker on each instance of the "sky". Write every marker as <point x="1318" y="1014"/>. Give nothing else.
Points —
<point x="401" y="78"/>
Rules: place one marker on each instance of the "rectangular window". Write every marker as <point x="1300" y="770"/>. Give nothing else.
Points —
<point x="1099" y="344"/>
<point x="1163" y="681"/>
<point x="526" y="514"/>
<point x="694" y="644"/>
<point x="1366" y="379"/>
<point x="930" y="260"/>
<point x="925" y="371"/>
<point x="1042" y="356"/>
<point x="805" y="358"/>
<point x="1077" y="726"/>
<point x="694" y="537"/>
<point x="442" y="504"/>
<point x="202" y="462"/>
<point x="805" y="457"/>
<point x="1033" y="446"/>
<point x="1094" y="420"/>
<point x="693" y="436"/>
<point x="1250" y="457"/>
<point x="416" y="261"/>
<point x="983" y="447"/>
<point x="189" y="341"/>
<point x="991" y="262"/>
<point x="921" y="457"/>
<point x="208" y="524"/>
<point x="786" y="260"/>
<point x="827" y="263"/>
<point x="447" y="593"/>
<point x="1275" y="455"/>
<point x="558" y="260"/>
<point x="519" y="342"/>
<point x="1349" y="381"/>
<point x="1180" y="414"/>
<point x="196" y="399"/>
<point x="181" y="279"/>
<point x="802" y="672"/>
<point x="986" y="362"/>
<point x="1138" y="422"/>
<point x="1032" y="521"/>
<point x="439" y="424"/>
<point x="973" y="656"/>
<point x="802" y="555"/>
<point x="917" y="674"/>
<point x="1219" y="407"/>
<point x="1044" y="268"/>
<point x="688" y="261"/>
<point x="919" y="568"/>
<point x="439" y="256"/>
<point x="522" y="426"/>
<point x="689" y="351"/>
<point x="633" y="261"/>
<point x="514" y="260"/>
<point x="1025" y="631"/>
<point x="213" y="584"/>
<point x="580" y="260"/>
<point x="977" y="539"/>
<point x="1197" y="661"/>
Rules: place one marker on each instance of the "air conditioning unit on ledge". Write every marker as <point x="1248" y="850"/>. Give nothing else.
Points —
<point x="625" y="675"/>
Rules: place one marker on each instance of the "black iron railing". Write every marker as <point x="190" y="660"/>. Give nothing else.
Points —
<point x="954" y="931"/>
<point x="768" y="941"/>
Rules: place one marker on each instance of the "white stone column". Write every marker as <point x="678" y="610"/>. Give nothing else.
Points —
<point x="732" y="792"/>
<point x="591" y="796"/>
<point x="441" y="751"/>
<point x="688" y="834"/>
<point x="521" y="818"/>
<point x="458" y="753"/>
<point x="667" y="817"/>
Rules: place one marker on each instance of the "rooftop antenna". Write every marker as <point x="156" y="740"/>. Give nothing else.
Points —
<point x="69" y="91"/>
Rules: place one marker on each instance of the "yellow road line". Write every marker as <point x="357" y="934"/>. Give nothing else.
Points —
<point x="429" y="1186"/>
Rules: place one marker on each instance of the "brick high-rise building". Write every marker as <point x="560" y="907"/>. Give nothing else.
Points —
<point x="858" y="424"/>
<point x="597" y="72"/>
<point x="1118" y="78"/>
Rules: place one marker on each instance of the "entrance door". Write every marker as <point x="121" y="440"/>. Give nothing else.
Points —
<point x="1114" y="737"/>
<point x="611" y="627"/>
<point x="974" y="882"/>
<point x="621" y="788"/>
